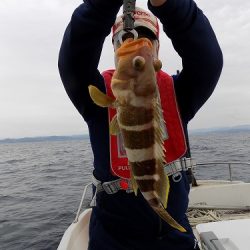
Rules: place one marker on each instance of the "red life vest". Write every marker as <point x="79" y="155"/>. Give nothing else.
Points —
<point x="175" y="143"/>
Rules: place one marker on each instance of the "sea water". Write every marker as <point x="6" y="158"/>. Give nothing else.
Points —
<point x="41" y="183"/>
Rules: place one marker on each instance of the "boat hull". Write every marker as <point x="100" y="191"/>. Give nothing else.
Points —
<point x="76" y="237"/>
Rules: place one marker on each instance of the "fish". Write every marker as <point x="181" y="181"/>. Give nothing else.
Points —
<point x="138" y="118"/>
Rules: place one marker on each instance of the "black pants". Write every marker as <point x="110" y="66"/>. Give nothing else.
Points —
<point x="124" y="221"/>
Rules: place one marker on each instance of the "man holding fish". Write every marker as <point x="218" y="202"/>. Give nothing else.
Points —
<point x="137" y="117"/>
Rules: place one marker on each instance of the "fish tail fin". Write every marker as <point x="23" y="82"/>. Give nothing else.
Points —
<point x="169" y="219"/>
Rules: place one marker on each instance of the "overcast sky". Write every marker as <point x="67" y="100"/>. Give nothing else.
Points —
<point x="33" y="101"/>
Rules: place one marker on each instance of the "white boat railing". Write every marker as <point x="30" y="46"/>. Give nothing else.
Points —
<point x="81" y="202"/>
<point x="230" y="164"/>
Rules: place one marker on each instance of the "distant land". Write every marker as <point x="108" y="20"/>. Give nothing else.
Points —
<point x="234" y="129"/>
<point x="45" y="138"/>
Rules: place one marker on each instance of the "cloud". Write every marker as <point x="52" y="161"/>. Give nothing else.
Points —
<point x="31" y="89"/>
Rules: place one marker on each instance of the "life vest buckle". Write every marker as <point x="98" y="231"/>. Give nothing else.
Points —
<point x="177" y="177"/>
<point x="126" y="185"/>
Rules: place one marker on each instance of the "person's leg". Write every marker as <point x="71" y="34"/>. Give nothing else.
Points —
<point x="100" y="238"/>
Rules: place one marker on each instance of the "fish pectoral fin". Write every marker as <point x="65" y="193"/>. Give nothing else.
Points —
<point x="114" y="127"/>
<point x="134" y="184"/>
<point x="99" y="98"/>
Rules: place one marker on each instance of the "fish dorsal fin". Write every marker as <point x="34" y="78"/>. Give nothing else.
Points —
<point x="99" y="98"/>
<point x="114" y="128"/>
<point x="159" y="131"/>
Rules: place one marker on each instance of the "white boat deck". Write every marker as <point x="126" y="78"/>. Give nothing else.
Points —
<point x="219" y="212"/>
<point x="223" y="195"/>
<point x="229" y="234"/>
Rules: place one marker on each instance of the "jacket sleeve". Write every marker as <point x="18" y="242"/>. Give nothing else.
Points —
<point x="194" y="40"/>
<point x="81" y="48"/>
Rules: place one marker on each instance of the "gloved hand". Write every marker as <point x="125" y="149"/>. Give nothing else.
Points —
<point x="157" y="2"/>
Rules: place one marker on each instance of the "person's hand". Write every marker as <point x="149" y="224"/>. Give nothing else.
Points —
<point x="157" y="2"/>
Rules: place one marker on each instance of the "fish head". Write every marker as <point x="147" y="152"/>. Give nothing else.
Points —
<point x="135" y="74"/>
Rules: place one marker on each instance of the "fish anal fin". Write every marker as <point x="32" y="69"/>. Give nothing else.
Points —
<point x="134" y="184"/>
<point x="114" y="127"/>
<point x="163" y="187"/>
<point x="99" y="98"/>
<point x="165" y="200"/>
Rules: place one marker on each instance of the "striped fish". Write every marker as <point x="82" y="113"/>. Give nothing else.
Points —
<point x="138" y="119"/>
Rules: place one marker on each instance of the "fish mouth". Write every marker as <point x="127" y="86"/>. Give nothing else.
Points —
<point x="130" y="46"/>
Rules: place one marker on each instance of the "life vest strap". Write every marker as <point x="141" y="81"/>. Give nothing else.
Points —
<point x="173" y="169"/>
<point x="112" y="187"/>
<point x="179" y="165"/>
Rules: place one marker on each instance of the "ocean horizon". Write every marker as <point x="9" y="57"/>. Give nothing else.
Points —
<point x="233" y="129"/>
